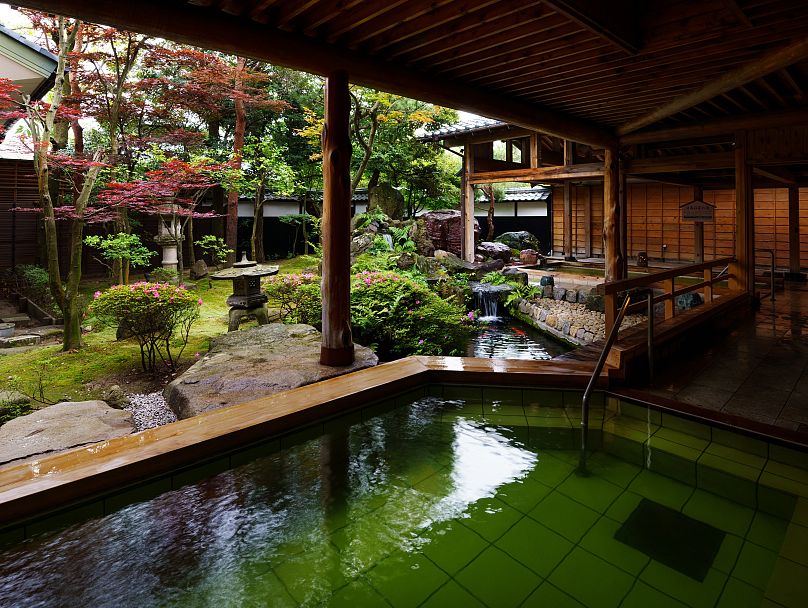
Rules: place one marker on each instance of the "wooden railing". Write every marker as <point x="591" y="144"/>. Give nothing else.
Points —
<point x="667" y="278"/>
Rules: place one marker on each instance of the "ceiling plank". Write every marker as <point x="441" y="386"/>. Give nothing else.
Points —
<point x="613" y="21"/>
<point x="770" y="62"/>
<point x="216" y="30"/>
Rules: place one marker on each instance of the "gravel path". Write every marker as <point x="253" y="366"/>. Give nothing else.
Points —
<point x="149" y="410"/>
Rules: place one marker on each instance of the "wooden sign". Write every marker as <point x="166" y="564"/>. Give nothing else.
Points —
<point x="697" y="211"/>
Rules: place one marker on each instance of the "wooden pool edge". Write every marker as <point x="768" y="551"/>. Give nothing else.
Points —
<point x="55" y="482"/>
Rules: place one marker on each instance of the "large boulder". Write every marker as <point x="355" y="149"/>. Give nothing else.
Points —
<point x="65" y="425"/>
<point x="529" y="257"/>
<point x="388" y="199"/>
<point x="445" y="229"/>
<point x="495" y="251"/>
<point x="519" y="240"/>
<point x="199" y="270"/>
<point x="245" y="365"/>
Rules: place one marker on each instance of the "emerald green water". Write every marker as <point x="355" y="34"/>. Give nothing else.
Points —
<point x="440" y="503"/>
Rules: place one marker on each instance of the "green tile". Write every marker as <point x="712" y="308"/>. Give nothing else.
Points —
<point x="728" y="553"/>
<point x="497" y="396"/>
<point x="550" y="470"/>
<point x="683" y="588"/>
<point x="254" y="452"/>
<point x="618" y="472"/>
<point x="537" y="411"/>
<point x="524" y="494"/>
<point x="469" y="394"/>
<point x="789" y="584"/>
<point x="738" y="594"/>
<point x="639" y="412"/>
<point x="661" y="489"/>
<point x="686" y="426"/>
<point x="750" y="459"/>
<point x="452" y="546"/>
<point x="504" y="420"/>
<point x="380" y="408"/>
<point x="600" y="541"/>
<point x="301" y="436"/>
<point x="592" y="491"/>
<point x="199" y="473"/>
<point x="628" y="449"/>
<point x="438" y="484"/>
<point x="747" y="445"/>
<point x="462" y="409"/>
<point x="406" y="579"/>
<point x="342" y="423"/>
<point x="605" y="585"/>
<point x="356" y="593"/>
<point x="497" y="579"/>
<point x="755" y="565"/>
<point x="767" y="531"/>
<point x="550" y="596"/>
<point x="549" y="422"/>
<point x="623" y="506"/>
<point x="789" y="456"/>
<point x="790" y="472"/>
<point x="732" y="480"/>
<point x="312" y="576"/>
<point x="800" y="513"/>
<point x="410" y="397"/>
<point x="775" y="501"/>
<point x="65" y="518"/>
<point x="719" y="512"/>
<point x="535" y="546"/>
<point x="671" y="460"/>
<point x="140" y="493"/>
<point x="696" y="444"/>
<point x="490" y="518"/>
<point x="434" y="390"/>
<point x="643" y="596"/>
<point x="264" y="588"/>
<point x="563" y="515"/>
<point x="541" y="398"/>
<point x="451" y="594"/>
<point x="795" y="545"/>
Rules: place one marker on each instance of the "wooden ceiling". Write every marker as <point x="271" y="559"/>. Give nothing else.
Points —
<point x="585" y="70"/>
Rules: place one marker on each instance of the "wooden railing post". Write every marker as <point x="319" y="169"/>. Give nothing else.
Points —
<point x="610" y="310"/>
<point x="708" y="288"/>
<point x="670" y="303"/>
<point x="337" y="345"/>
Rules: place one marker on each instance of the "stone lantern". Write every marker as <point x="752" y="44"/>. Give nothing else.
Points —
<point x="169" y="235"/>
<point x="247" y="297"/>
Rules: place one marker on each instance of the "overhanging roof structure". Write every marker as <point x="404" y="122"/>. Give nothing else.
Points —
<point x="583" y="70"/>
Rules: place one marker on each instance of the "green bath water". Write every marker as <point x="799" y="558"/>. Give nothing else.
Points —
<point x="449" y="501"/>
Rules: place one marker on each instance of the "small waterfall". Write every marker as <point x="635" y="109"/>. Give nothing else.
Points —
<point x="486" y="298"/>
<point x="389" y="240"/>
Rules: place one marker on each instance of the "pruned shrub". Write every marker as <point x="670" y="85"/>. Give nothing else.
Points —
<point x="282" y="291"/>
<point x="154" y="314"/>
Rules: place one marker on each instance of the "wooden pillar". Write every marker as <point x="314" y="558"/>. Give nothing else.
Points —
<point x="569" y="254"/>
<point x="793" y="230"/>
<point x="535" y="151"/>
<point x="337" y="345"/>
<point x="698" y="230"/>
<point x="588" y="223"/>
<point x="611" y="218"/>
<point x="622" y="211"/>
<point x="467" y="210"/>
<point x="743" y="268"/>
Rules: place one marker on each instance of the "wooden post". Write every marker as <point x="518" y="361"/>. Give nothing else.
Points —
<point x="588" y="223"/>
<point x="744" y="267"/>
<point x="698" y="230"/>
<point x="467" y="212"/>
<point x="793" y="230"/>
<point x="337" y="345"/>
<point x="708" y="289"/>
<point x="670" y="303"/>
<point x="569" y="254"/>
<point x="611" y="235"/>
<point x="623" y="213"/>
<point x="535" y="151"/>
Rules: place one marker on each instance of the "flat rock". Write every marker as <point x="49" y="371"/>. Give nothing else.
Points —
<point x="245" y="365"/>
<point x="59" y="427"/>
<point x="24" y="340"/>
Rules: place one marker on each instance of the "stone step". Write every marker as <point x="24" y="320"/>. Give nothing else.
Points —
<point x="19" y="319"/>
<point x="24" y="340"/>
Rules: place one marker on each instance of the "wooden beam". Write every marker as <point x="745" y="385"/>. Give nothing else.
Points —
<point x="569" y="154"/>
<point x="337" y="346"/>
<point x="743" y="269"/>
<point x="213" y="29"/>
<point x="770" y="62"/>
<point x="609" y="20"/>
<point x="687" y="162"/>
<point x="794" y="230"/>
<point x="540" y="174"/>
<point x="611" y="218"/>
<point x="782" y="176"/>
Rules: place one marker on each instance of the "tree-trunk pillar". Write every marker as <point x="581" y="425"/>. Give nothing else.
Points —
<point x="743" y="268"/>
<point x="611" y="216"/>
<point x="623" y="213"/>
<point x="793" y="230"/>
<point x="337" y="345"/>
<point x="467" y="213"/>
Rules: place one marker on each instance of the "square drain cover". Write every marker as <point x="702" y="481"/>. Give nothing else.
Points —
<point x="671" y="538"/>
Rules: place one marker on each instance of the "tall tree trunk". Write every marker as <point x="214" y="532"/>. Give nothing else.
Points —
<point x="257" y="237"/>
<point x="191" y="252"/>
<point x="238" y="147"/>
<point x="490" y="190"/>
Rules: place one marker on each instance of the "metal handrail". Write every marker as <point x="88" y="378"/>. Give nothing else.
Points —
<point x="649" y="294"/>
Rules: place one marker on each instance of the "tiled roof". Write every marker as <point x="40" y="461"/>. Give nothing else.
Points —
<point x="539" y="193"/>
<point x="468" y="125"/>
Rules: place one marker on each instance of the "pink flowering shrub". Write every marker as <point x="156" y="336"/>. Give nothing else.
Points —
<point x="154" y="314"/>
<point x="395" y="315"/>
<point x="282" y="290"/>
